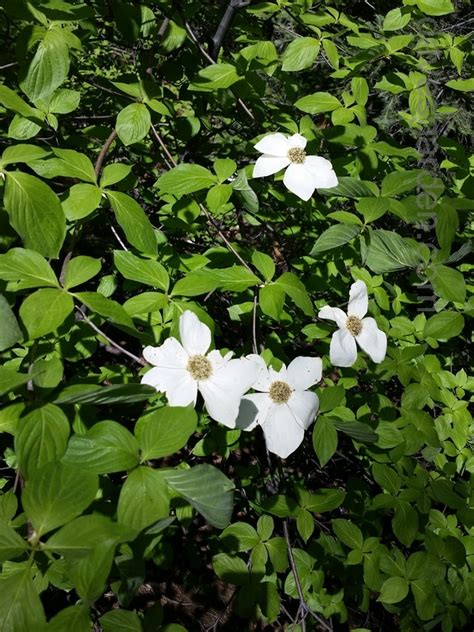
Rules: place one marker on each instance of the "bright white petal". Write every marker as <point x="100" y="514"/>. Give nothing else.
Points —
<point x="372" y="340"/>
<point x="304" y="405"/>
<point x="221" y="406"/>
<point x="263" y="380"/>
<point x="178" y="385"/>
<point x="169" y="355"/>
<point x="343" y="349"/>
<point x="358" y="300"/>
<point x="217" y="360"/>
<point x="267" y="165"/>
<point x="273" y="144"/>
<point x="195" y="336"/>
<point x="253" y="410"/>
<point x="333" y="313"/>
<point x="277" y="376"/>
<point x="283" y="434"/>
<point x="297" y="180"/>
<point x="297" y="141"/>
<point x="321" y="172"/>
<point x="304" y="372"/>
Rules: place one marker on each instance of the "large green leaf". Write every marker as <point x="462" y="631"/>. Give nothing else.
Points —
<point x="296" y="290"/>
<point x="164" y="431"/>
<point x="208" y="490"/>
<point x="301" y="53"/>
<point x="27" y="269"/>
<point x="335" y="236"/>
<point x="106" y="307"/>
<point x="318" y="102"/>
<point x="41" y="437"/>
<point x="141" y="270"/>
<point x="114" y="394"/>
<point x="73" y="618"/>
<point x="121" y="621"/>
<point x="57" y="494"/>
<point x="444" y="326"/>
<point x="133" y="221"/>
<point x="215" y="77"/>
<point x="35" y="213"/>
<point x="324" y="439"/>
<point x="447" y="283"/>
<point x="186" y="178"/>
<point x="144" y="498"/>
<point x="106" y="447"/>
<point x="10" y="332"/>
<point x="133" y="123"/>
<point x="80" y="269"/>
<point x="11" y="544"/>
<point x="20" y="605"/>
<point x="49" y="67"/>
<point x="44" y="311"/>
<point x="388" y="252"/>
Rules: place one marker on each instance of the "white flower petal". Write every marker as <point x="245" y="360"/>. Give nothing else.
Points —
<point x="297" y="141"/>
<point x="283" y="434"/>
<point x="277" y="376"/>
<point x="321" y="172"/>
<point x="273" y="144"/>
<point x="304" y="372"/>
<point x="267" y="165"/>
<point x="195" y="336"/>
<point x="333" y="313"/>
<point x="263" y="380"/>
<point x="372" y="340"/>
<point x="253" y="410"/>
<point x="223" y="391"/>
<point x="170" y="354"/>
<point x="358" y="300"/>
<point x="178" y="385"/>
<point x="304" y="405"/>
<point x="297" y="180"/>
<point x="343" y="348"/>
<point x="217" y="360"/>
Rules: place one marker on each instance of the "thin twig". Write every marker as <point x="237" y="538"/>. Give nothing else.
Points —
<point x="103" y="152"/>
<point x="254" y="323"/>
<point x="111" y="342"/>
<point x="118" y="238"/>
<point x="303" y="605"/>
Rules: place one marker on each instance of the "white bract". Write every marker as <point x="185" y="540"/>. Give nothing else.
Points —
<point x="354" y="327"/>
<point x="284" y="408"/>
<point x="181" y="369"/>
<point x="304" y="173"/>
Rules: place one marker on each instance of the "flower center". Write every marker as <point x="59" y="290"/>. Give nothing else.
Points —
<point x="199" y="367"/>
<point x="354" y="325"/>
<point x="280" y="392"/>
<point x="297" y="155"/>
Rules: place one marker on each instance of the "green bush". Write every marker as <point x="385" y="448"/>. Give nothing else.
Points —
<point x="151" y="482"/>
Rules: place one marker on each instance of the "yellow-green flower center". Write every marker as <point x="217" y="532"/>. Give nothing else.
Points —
<point x="354" y="325"/>
<point x="280" y="392"/>
<point x="199" y="367"/>
<point x="297" y="155"/>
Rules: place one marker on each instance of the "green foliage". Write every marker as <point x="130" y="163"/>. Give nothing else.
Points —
<point x="127" y="195"/>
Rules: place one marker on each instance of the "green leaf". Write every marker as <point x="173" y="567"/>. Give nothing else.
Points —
<point x="35" y="213"/>
<point x="296" y="290"/>
<point x="235" y="278"/>
<point x="324" y="499"/>
<point x="301" y="53"/>
<point x="230" y="568"/>
<point x="41" y="437"/>
<point x="74" y="618"/>
<point x="388" y="252"/>
<point x="134" y="222"/>
<point x="141" y="270"/>
<point x="144" y="498"/>
<point x="49" y="67"/>
<point x="356" y="429"/>
<point x="239" y="536"/>
<point x="208" y="490"/>
<point x="111" y="174"/>
<point x="67" y="163"/>
<point x="44" y="311"/>
<point x="396" y="19"/>
<point x="305" y="524"/>
<point x="106" y="307"/>
<point x="405" y="523"/>
<point x="27" y="268"/>
<point x="81" y="200"/>
<point x="79" y="270"/>
<point x="351" y="188"/>
<point x="57" y="494"/>
<point x="334" y="237"/>
<point x="435" y="7"/>
<point x="64" y="101"/>
<point x="348" y="533"/>
<point x="186" y="178"/>
<point x="271" y="299"/>
<point x="462" y="85"/>
<point x="447" y="283"/>
<point x="215" y="77"/>
<point x="89" y="574"/>
<point x="12" y="101"/>
<point x="165" y="431"/>
<point x="79" y="537"/>
<point x="10" y="332"/>
<point x="20" y="604"/>
<point x="318" y="102"/>
<point x="133" y="123"/>
<point x="394" y="589"/>
<point x="264" y="264"/>
<point x="104" y="395"/>
<point x="22" y="153"/>
<point x="11" y="544"/>
<point x="425" y="598"/>
<point x="195" y="283"/>
<point x="120" y="621"/>
<point x="107" y="447"/>
<point x="10" y="380"/>
<point x="324" y="440"/>
<point x="444" y="326"/>
<point x="400" y="181"/>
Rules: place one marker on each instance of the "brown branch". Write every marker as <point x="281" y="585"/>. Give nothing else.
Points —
<point x="225" y="23"/>
<point x="294" y="570"/>
<point x="103" y="152"/>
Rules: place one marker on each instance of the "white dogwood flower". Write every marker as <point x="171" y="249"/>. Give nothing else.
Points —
<point x="284" y="408"/>
<point x="181" y="369"/>
<point x="304" y="173"/>
<point x="354" y="327"/>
